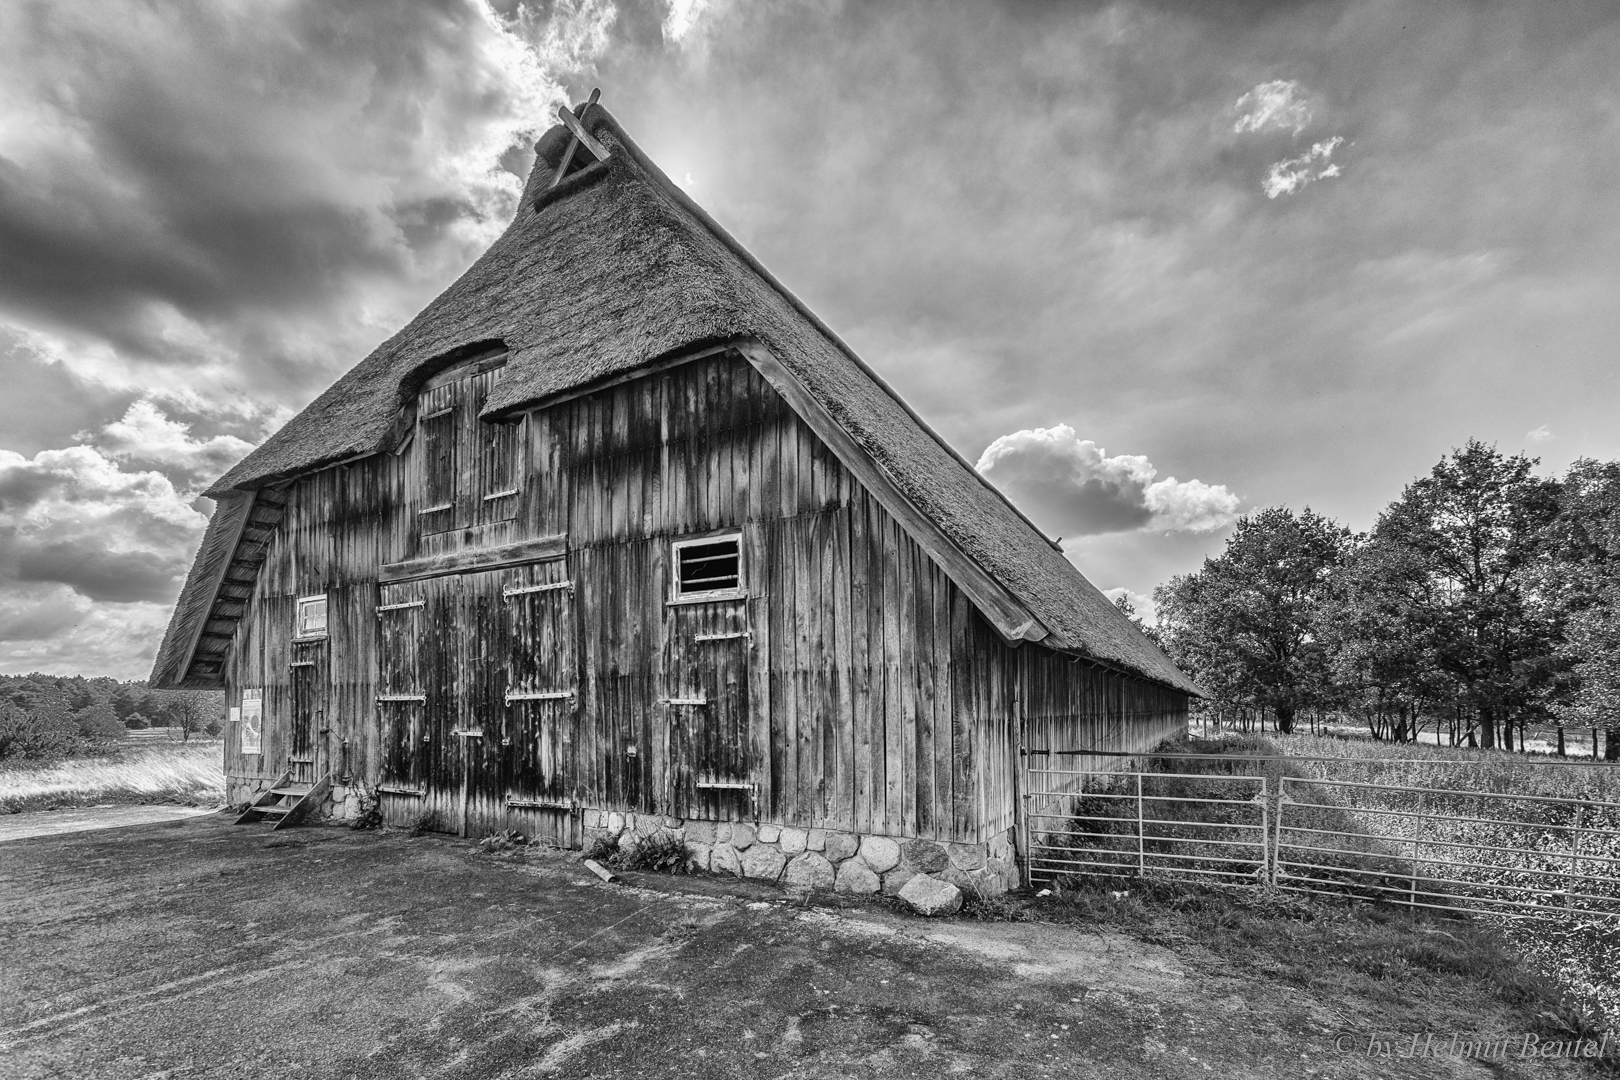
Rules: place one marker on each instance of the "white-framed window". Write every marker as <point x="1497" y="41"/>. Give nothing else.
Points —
<point x="310" y="620"/>
<point x="707" y="568"/>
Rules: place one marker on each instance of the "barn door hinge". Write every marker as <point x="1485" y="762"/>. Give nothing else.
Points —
<point x="400" y="606"/>
<point x="539" y="695"/>
<point x="543" y="804"/>
<point x="302" y="663"/>
<point x="384" y="698"/>
<point x="694" y="701"/>
<point x="737" y="636"/>
<point x="523" y="590"/>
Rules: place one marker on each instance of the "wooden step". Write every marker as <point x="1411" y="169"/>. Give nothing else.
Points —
<point x="297" y="791"/>
<point x="277" y="811"/>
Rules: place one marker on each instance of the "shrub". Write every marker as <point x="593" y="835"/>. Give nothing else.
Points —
<point x="41" y="736"/>
<point x="136" y="722"/>
<point x="663" y="852"/>
<point x="99" y="722"/>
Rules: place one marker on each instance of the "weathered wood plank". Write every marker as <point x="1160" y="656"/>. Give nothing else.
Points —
<point x="545" y="547"/>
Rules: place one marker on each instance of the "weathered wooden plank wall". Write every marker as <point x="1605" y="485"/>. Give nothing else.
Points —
<point x="872" y="696"/>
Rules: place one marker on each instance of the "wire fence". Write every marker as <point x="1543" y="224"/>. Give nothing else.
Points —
<point x="1258" y="822"/>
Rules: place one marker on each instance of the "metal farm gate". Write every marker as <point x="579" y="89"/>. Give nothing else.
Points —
<point x="1268" y="823"/>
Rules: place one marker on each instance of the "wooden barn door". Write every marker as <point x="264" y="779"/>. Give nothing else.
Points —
<point x="478" y="638"/>
<point x="541" y="697"/>
<point x="706" y="673"/>
<point x="401" y="702"/>
<point x="308" y="683"/>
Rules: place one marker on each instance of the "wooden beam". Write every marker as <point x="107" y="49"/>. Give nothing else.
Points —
<point x="1000" y="608"/>
<point x="581" y="134"/>
<point x="458" y="562"/>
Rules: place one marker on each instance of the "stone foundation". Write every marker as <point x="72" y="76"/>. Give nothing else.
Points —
<point x="819" y="858"/>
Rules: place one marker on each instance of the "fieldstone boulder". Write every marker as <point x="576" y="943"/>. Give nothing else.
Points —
<point x="854" y="877"/>
<point x="895" y="880"/>
<point x="793" y="841"/>
<point x="768" y="834"/>
<point x="932" y="898"/>
<point x="700" y="832"/>
<point x="697" y="855"/>
<point x="763" y="862"/>
<point x="742" y="836"/>
<point x="966" y="856"/>
<point x="722" y="832"/>
<point x="924" y="856"/>
<point x="615" y="823"/>
<point x="816" y="839"/>
<point x="838" y="846"/>
<point x="880" y="853"/>
<point x="809" y="871"/>
<point x="723" y="860"/>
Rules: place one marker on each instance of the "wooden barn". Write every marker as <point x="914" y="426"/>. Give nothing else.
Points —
<point x="617" y="535"/>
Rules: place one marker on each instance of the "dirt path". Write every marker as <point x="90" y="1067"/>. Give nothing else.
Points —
<point x="201" y="949"/>
<point x="57" y="822"/>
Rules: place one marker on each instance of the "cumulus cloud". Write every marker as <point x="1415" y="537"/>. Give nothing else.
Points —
<point x="1279" y="105"/>
<point x="1072" y="486"/>
<point x="1291" y="174"/>
<point x="1539" y="435"/>
<point x="144" y="434"/>
<point x="682" y="18"/>
<point x="74" y="518"/>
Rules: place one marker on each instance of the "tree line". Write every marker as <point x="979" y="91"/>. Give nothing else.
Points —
<point x="1484" y="601"/>
<point x="51" y="716"/>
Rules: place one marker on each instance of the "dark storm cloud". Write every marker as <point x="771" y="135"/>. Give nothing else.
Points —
<point x="242" y="169"/>
<point x="94" y="572"/>
<point x="1297" y="250"/>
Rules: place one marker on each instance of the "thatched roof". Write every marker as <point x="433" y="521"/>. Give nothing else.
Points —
<point x="617" y="267"/>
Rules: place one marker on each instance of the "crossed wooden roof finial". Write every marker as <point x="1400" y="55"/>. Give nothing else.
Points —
<point x="581" y="137"/>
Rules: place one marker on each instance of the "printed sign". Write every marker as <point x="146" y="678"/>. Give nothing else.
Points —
<point x="252" y="720"/>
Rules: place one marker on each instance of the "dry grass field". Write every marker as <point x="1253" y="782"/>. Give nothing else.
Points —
<point x="147" y="772"/>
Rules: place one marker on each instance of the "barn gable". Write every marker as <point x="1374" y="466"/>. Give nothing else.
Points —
<point x="604" y="275"/>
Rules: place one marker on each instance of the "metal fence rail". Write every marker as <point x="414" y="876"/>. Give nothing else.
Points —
<point x="1448" y="849"/>
<point x="1131" y="824"/>
<point x="1439" y="848"/>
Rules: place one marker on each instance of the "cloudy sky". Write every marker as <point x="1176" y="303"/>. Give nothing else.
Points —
<point x="1151" y="264"/>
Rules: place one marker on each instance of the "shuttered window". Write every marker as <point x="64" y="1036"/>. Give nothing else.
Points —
<point x="469" y="470"/>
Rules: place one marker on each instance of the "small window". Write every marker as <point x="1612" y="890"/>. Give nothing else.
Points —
<point x="311" y="617"/>
<point x="708" y="569"/>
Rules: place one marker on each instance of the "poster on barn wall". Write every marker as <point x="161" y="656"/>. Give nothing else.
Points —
<point x="252" y="719"/>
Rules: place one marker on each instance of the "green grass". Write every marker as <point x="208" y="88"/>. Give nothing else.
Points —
<point x="188" y="772"/>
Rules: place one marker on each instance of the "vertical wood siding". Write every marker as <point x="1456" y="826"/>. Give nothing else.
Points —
<point x="852" y="687"/>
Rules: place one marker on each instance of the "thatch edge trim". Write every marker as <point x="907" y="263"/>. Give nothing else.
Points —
<point x="165" y="673"/>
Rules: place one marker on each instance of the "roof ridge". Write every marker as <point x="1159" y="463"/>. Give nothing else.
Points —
<point x="707" y="220"/>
